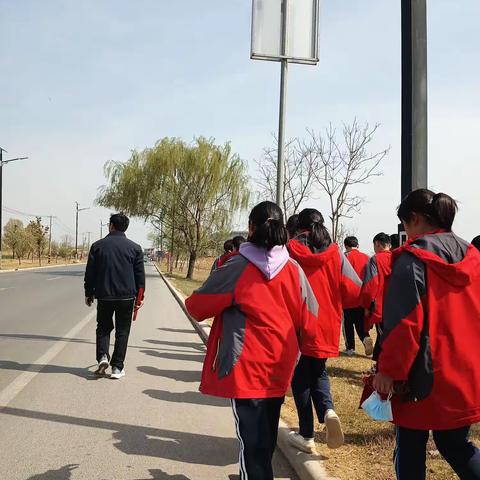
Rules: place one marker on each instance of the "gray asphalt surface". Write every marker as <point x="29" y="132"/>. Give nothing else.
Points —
<point x="65" y="424"/>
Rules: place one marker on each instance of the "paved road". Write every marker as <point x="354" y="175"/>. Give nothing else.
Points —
<point x="58" y="422"/>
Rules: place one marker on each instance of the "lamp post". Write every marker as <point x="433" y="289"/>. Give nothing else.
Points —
<point x="77" y="209"/>
<point x="2" y="163"/>
<point x="101" y="228"/>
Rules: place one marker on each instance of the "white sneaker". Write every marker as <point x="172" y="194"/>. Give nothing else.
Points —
<point x="102" y="366"/>
<point x="368" y="344"/>
<point x="117" y="373"/>
<point x="306" y="445"/>
<point x="335" y="438"/>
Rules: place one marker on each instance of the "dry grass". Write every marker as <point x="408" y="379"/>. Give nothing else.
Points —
<point x="368" y="450"/>
<point x="10" y="264"/>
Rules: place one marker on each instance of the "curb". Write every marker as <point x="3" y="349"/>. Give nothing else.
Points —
<point x="43" y="267"/>
<point x="307" y="467"/>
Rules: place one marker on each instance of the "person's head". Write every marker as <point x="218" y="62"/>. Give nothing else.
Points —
<point x="292" y="226"/>
<point x="422" y="211"/>
<point x="350" y="243"/>
<point x="476" y="242"/>
<point x="118" y="222"/>
<point x="228" y="246"/>
<point x="311" y="221"/>
<point x="265" y="226"/>
<point x="237" y="241"/>
<point x="395" y="240"/>
<point x="381" y="242"/>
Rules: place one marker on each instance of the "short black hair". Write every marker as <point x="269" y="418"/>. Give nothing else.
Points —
<point x="292" y="225"/>
<point x="119" y="221"/>
<point x="476" y="242"/>
<point x="228" y="246"/>
<point x="395" y="240"/>
<point x="351" y="242"/>
<point x="237" y="241"/>
<point x="383" y="239"/>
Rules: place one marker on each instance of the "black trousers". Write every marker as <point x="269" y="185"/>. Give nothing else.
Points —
<point x="453" y="445"/>
<point x="310" y="384"/>
<point x="256" y="421"/>
<point x="123" y="310"/>
<point x="353" y="318"/>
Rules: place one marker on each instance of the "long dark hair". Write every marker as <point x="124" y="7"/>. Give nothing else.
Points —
<point x="438" y="208"/>
<point x="312" y="220"/>
<point x="267" y="221"/>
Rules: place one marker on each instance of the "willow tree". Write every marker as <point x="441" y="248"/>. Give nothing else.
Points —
<point x="194" y="189"/>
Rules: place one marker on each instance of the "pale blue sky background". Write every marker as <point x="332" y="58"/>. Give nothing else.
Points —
<point x="86" y="81"/>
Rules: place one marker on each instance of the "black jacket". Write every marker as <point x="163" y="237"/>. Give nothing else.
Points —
<point x="115" y="269"/>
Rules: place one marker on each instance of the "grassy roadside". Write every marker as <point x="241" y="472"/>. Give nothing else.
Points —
<point x="368" y="449"/>
<point x="9" y="264"/>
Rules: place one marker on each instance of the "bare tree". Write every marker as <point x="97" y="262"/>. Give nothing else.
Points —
<point x="345" y="162"/>
<point x="300" y="171"/>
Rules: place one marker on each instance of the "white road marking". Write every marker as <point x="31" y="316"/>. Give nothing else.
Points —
<point x="5" y="288"/>
<point x="54" y="278"/>
<point x="15" y="387"/>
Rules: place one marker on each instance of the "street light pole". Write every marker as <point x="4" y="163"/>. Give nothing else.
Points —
<point x="2" y="163"/>
<point x="76" y="227"/>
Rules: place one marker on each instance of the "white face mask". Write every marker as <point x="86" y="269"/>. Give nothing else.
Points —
<point x="378" y="409"/>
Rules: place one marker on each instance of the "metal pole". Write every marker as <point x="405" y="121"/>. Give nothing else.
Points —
<point x="282" y="108"/>
<point x="76" y="230"/>
<point x="50" y="239"/>
<point x="1" y="204"/>
<point x="414" y="96"/>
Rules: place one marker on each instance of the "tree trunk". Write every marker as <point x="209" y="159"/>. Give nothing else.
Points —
<point x="191" y="265"/>
<point x="177" y="258"/>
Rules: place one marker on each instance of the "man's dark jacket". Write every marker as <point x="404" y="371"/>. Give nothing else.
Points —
<point x="115" y="269"/>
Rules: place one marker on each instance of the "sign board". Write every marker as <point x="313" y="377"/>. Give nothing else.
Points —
<point x="285" y="29"/>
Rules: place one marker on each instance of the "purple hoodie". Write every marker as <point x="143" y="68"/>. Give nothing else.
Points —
<point x="269" y="262"/>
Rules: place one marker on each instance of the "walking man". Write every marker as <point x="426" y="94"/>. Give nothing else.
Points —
<point x="115" y="276"/>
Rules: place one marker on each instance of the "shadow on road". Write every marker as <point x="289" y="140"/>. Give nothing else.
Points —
<point x="34" y="367"/>
<point x="185" y="357"/>
<point x="196" y="398"/>
<point x="184" y="447"/>
<point x="194" y="345"/>
<point x="178" y="375"/>
<point x="175" y="330"/>
<point x="161" y="475"/>
<point x="64" y="473"/>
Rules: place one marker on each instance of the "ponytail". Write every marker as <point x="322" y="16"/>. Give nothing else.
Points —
<point x="268" y="227"/>
<point x="438" y="208"/>
<point x="311" y="220"/>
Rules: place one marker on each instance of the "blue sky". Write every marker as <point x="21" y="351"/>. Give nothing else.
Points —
<point x="86" y="82"/>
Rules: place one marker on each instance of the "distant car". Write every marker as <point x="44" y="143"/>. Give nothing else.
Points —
<point x="145" y="259"/>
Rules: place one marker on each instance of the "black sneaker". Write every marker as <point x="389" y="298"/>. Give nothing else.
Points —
<point x="103" y="364"/>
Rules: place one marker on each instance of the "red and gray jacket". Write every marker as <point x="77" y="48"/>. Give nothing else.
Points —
<point x="377" y="271"/>
<point x="432" y="332"/>
<point x="263" y="306"/>
<point x="358" y="261"/>
<point x="336" y="286"/>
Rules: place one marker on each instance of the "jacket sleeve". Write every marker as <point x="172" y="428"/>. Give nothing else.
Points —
<point x="370" y="285"/>
<point x="139" y="270"/>
<point x="403" y="315"/>
<point x="350" y="284"/>
<point x="217" y="293"/>
<point x="89" y="279"/>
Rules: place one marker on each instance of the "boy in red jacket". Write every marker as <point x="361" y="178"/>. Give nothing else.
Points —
<point x="431" y="340"/>
<point x="353" y="318"/>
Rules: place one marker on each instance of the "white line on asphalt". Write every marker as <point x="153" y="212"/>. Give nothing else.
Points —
<point x="5" y="288"/>
<point x="54" y="278"/>
<point x="14" y="388"/>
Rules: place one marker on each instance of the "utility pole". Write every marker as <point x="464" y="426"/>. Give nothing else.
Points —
<point x="2" y="163"/>
<point x="77" y="209"/>
<point x="88" y="243"/>
<point x="50" y="238"/>
<point x="101" y="228"/>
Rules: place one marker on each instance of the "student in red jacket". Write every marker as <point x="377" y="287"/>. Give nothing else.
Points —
<point x="335" y="285"/>
<point x="377" y="271"/>
<point x="354" y="317"/>
<point x="263" y="305"/>
<point x="432" y="339"/>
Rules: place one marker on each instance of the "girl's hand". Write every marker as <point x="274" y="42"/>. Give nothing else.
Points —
<point x="383" y="383"/>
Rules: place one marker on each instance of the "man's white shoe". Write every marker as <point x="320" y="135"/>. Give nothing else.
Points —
<point x="335" y="438"/>
<point x="117" y="373"/>
<point x="368" y="344"/>
<point x="306" y="445"/>
<point x="102" y="366"/>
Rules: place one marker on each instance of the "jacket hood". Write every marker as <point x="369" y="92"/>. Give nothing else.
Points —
<point x="300" y="252"/>
<point x="451" y="258"/>
<point x="269" y="262"/>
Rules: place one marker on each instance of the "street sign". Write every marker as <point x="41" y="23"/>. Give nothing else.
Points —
<point x="293" y="37"/>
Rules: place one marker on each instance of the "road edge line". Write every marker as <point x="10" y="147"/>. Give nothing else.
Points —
<point x="43" y="267"/>
<point x="307" y="467"/>
<point x="14" y="388"/>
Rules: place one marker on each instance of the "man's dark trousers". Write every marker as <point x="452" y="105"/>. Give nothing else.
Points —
<point x="123" y="310"/>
